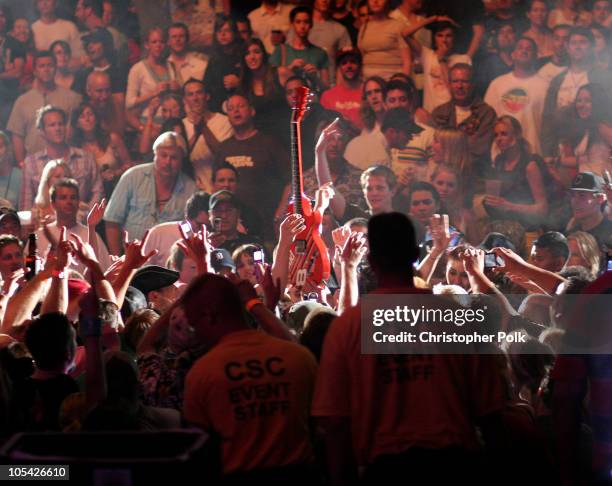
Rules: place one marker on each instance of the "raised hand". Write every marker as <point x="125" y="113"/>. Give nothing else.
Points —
<point x="12" y="282"/>
<point x="197" y="247"/>
<point x="64" y="250"/>
<point x="323" y="196"/>
<point x="83" y="251"/>
<point x="332" y="129"/>
<point x="440" y="232"/>
<point x="96" y="213"/>
<point x="354" y="249"/>
<point x="134" y="251"/>
<point x="292" y="225"/>
<point x="473" y="260"/>
<point x="271" y="289"/>
<point x="512" y="262"/>
<point x="245" y="288"/>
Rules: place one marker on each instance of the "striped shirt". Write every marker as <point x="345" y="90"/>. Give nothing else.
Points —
<point x="82" y="167"/>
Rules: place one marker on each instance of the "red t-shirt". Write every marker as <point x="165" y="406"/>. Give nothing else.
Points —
<point x="345" y="101"/>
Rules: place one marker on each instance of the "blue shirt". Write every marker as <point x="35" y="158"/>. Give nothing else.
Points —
<point x="10" y="187"/>
<point x="133" y="204"/>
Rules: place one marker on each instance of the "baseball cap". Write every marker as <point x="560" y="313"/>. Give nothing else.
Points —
<point x="99" y="34"/>
<point x="588" y="182"/>
<point x="153" y="277"/>
<point x="224" y="195"/>
<point x="221" y="258"/>
<point x="134" y="299"/>
<point x="400" y="119"/>
<point x="10" y="213"/>
<point x="348" y="52"/>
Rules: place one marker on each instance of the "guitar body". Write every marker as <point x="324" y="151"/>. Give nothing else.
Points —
<point x="309" y="264"/>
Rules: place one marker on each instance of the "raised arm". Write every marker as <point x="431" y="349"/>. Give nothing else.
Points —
<point x="292" y="225"/>
<point x="352" y="253"/>
<point x="56" y="299"/>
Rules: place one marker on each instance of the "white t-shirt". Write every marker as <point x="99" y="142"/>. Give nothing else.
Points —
<point x="46" y="34"/>
<point x="462" y="113"/>
<point x="201" y="156"/>
<point x="367" y="149"/>
<point x="522" y="98"/>
<point x="570" y="86"/>
<point x="435" y="90"/>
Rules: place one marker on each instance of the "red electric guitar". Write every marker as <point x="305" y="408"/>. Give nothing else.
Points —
<point x="309" y="262"/>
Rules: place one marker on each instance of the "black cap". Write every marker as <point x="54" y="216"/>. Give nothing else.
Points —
<point x="494" y="240"/>
<point x="221" y="258"/>
<point x="99" y="34"/>
<point x="222" y="196"/>
<point x="134" y="299"/>
<point x="587" y="181"/>
<point x="400" y="119"/>
<point x="153" y="277"/>
<point x="6" y="212"/>
<point x="349" y="52"/>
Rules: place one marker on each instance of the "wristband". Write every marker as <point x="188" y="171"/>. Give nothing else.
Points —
<point x="252" y="303"/>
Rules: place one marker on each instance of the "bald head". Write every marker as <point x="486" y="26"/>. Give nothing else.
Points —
<point x="98" y="88"/>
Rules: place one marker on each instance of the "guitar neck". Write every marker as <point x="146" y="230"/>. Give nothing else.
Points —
<point x="296" y="166"/>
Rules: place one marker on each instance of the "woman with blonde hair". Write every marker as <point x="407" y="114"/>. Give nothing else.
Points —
<point x="53" y="171"/>
<point x="450" y="147"/>
<point x="584" y="251"/>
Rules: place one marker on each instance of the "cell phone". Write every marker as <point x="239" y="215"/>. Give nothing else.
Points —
<point x="491" y="260"/>
<point x="607" y="178"/>
<point x="258" y="256"/>
<point x="186" y="227"/>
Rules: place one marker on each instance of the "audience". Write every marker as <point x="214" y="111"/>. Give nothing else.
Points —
<point x="158" y="182"/>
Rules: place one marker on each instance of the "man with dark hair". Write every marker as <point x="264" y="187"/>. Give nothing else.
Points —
<point x="52" y="341"/>
<point x="65" y="202"/>
<point x="467" y="111"/>
<point x="299" y="56"/>
<point x="205" y="131"/>
<point x="266" y="435"/>
<point x="402" y="432"/>
<point x="187" y="64"/>
<point x="11" y="256"/>
<point x="345" y="97"/>
<point x="558" y="60"/>
<point x="88" y="14"/>
<point x="550" y="251"/>
<point x="102" y="58"/>
<point x="327" y="33"/>
<point x="164" y="235"/>
<point x="52" y="125"/>
<point x="423" y="202"/>
<point x="22" y="122"/>
<point x="262" y="165"/>
<point x="398" y="128"/>
<point x="225" y="176"/>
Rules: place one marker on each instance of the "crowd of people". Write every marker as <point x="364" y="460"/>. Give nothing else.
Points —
<point x="451" y="148"/>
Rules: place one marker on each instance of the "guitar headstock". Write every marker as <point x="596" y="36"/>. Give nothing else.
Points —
<point x="303" y="100"/>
